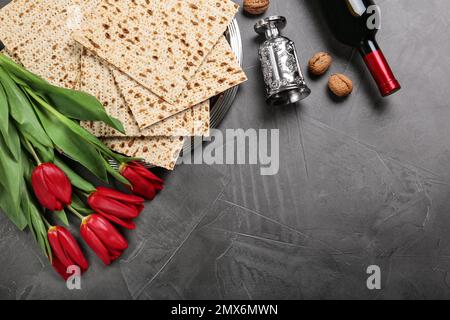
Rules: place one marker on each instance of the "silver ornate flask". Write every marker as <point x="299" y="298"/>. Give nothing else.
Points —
<point x="285" y="83"/>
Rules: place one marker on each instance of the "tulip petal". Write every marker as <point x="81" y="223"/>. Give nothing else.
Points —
<point x="95" y="244"/>
<point x="58" y="183"/>
<point x="108" y="234"/>
<point x="114" y="255"/>
<point x="117" y="195"/>
<point x="144" y="183"/>
<point x="57" y="248"/>
<point x="110" y="206"/>
<point x="60" y="268"/>
<point x="148" y="191"/>
<point x="158" y="187"/>
<point x="128" y="224"/>
<point x="73" y="249"/>
<point x="140" y="185"/>
<point x="143" y="171"/>
<point x="43" y="194"/>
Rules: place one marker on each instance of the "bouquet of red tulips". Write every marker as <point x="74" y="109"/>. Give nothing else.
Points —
<point x="40" y="136"/>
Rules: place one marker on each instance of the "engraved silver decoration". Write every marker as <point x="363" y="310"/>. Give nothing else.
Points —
<point x="285" y="83"/>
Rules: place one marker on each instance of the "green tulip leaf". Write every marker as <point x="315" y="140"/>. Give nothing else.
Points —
<point x="79" y="205"/>
<point x="35" y="223"/>
<point x="11" y="210"/>
<point x="22" y="112"/>
<point x="73" y="104"/>
<point x="4" y="112"/>
<point x="31" y="211"/>
<point x="11" y="180"/>
<point x="71" y="145"/>
<point x="116" y="175"/>
<point x="88" y="137"/>
<point x="27" y="166"/>
<point x="44" y="153"/>
<point x="76" y="128"/>
<point x="9" y="137"/>
<point x="75" y="179"/>
<point x="62" y="217"/>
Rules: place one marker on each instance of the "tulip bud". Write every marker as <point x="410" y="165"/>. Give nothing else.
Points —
<point x="66" y="251"/>
<point x="117" y="207"/>
<point x="101" y="236"/>
<point x="51" y="186"/>
<point x="143" y="182"/>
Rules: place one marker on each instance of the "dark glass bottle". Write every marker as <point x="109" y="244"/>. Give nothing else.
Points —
<point x="356" y="23"/>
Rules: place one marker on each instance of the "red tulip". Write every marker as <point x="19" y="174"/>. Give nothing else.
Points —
<point x="66" y="251"/>
<point x="103" y="238"/>
<point x="117" y="207"/>
<point x="51" y="186"/>
<point x="143" y="182"/>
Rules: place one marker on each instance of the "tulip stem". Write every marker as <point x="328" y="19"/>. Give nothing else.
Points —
<point x="32" y="151"/>
<point x="84" y="193"/>
<point x="75" y="212"/>
<point x="46" y="222"/>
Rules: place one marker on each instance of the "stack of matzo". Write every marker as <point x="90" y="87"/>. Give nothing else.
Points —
<point x="153" y="64"/>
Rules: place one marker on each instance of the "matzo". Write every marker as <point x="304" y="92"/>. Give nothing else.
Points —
<point x="36" y="32"/>
<point x="98" y="81"/>
<point x="160" y="44"/>
<point x="219" y="72"/>
<point x="160" y="151"/>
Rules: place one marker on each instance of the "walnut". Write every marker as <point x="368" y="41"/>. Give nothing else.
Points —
<point x="320" y="63"/>
<point x="256" y="7"/>
<point x="340" y="85"/>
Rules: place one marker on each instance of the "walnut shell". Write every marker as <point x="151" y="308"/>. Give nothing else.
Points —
<point x="256" y="7"/>
<point x="340" y="85"/>
<point x="320" y="63"/>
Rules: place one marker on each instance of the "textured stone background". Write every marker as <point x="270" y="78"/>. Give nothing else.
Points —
<point x="362" y="181"/>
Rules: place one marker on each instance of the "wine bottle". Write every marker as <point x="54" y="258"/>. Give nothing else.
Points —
<point x="356" y="23"/>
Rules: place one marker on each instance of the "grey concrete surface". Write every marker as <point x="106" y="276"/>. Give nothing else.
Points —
<point x="363" y="181"/>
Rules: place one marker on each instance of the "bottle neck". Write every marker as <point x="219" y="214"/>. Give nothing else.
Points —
<point x="379" y="67"/>
<point x="368" y="46"/>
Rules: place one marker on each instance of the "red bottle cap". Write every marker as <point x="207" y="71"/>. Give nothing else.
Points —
<point x="382" y="73"/>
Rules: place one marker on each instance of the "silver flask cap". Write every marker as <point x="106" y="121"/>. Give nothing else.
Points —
<point x="283" y="77"/>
